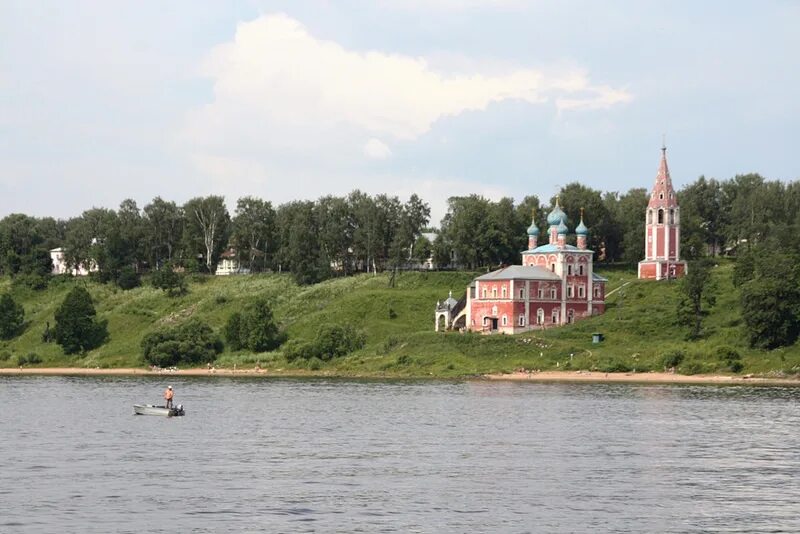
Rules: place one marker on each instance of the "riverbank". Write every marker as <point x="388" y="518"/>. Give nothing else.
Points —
<point x="535" y="376"/>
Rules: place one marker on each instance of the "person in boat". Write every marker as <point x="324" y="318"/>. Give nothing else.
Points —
<point x="168" y="394"/>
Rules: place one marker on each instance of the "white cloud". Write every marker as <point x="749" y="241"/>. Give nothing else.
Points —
<point x="291" y="112"/>
<point x="376" y="149"/>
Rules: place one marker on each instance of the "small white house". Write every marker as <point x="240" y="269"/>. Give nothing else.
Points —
<point x="58" y="257"/>
<point x="229" y="264"/>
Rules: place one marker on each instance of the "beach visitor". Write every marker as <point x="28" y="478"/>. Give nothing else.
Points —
<point x="168" y="394"/>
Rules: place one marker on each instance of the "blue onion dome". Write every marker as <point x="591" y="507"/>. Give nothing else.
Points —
<point x="533" y="229"/>
<point x="581" y="229"/>
<point x="557" y="215"/>
<point x="562" y="228"/>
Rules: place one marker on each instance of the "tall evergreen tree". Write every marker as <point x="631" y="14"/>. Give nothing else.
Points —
<point x="77" y="329"/>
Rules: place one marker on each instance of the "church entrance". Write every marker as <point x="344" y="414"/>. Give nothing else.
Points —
<point x="494" y="323"/>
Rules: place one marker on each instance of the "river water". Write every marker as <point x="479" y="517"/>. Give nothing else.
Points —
<point x="270" y="455"/>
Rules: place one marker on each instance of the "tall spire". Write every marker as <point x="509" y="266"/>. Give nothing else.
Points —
<point x="663" y="195"/>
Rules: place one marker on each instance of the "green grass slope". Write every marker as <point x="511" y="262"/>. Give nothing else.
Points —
<point x="639" y="327"/>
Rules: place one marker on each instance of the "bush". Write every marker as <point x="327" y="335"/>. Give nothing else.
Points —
<point x="5" y="356"/>
<point x="77" y="329"/>
<point x="254" y="328"/>
<point x="12" y="317"/>
<point x="694" y="368"/>
<point x="127" y="279"/>
<point x="174" y="284"/>
<point x="615" y="366"/>
<point x="672" y="358"/>
<point x="193" y="342"/>
<point x="34" y="281"/>
<point x="33" y="358"/>
<point x="330" y="342"/>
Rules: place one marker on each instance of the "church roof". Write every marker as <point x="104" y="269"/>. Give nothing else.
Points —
<point x="556" y="248"/>
<point x="597" y="278"/>
<point x="520" y="272"/>
<point x="663" y="195"/>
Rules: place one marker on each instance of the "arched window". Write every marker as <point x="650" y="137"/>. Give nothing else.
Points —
<point x="554" y="318"/>
<point x="570" y="316"/>
<point x="581" y="291"/>
<point x="672" y="216"/>
<point x="522" y="320"/>
<point x="522" y="293"/>
<point x="649" y="216"/>
<point x="505" y="320"/>
<point x="484" y="292"/>
<point x="660" y="216"/>
<point x="569" y="270"/>
<point x="580" y="270"/>
<point x="494" y="292"/>
<point x="553" y="293"/>
<point x="540" y="316"/>
<point x="503" y="291"/>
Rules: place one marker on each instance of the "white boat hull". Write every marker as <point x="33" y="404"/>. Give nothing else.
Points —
<point x="150" y="409"/>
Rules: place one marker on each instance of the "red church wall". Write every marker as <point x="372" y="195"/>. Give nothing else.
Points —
<point x="647" y="270"/>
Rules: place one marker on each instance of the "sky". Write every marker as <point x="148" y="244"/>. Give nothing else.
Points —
<point x="284" y="100"/>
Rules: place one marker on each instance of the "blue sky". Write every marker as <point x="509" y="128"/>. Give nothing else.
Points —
<point x="101" y="101"/>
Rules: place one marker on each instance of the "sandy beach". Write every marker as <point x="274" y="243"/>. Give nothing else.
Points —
<point x="535" y="376"/>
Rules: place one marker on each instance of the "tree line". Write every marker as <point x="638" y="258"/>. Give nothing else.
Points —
<point x="343" y="235"/>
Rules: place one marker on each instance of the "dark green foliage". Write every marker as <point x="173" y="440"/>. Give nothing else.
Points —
<point x="697" y="291"/>
<point x="254" y="328"/>
<point x="193" y="342"/>
<point x="128" y="278"/>
<point x="4" y="355"/>
<point x="330" y="342"/>
<point x="77" y="329"/>
<point x="771" y="312"/>
<point x="173" y="283"/>
<point x="672" y="358"/>
<point x="12" y="317"/>
<point x="34" y="281"/>
<point x="233" y="331"/>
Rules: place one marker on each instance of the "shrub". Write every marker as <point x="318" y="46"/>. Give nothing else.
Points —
<point x="694" y="368"/>
<point x="314" y="364"/>
<point x="33" y="281"/>
<point x="672" y="358"/>
<point x="5" y="356"/>
<point x="127" y="279"/>
<point x="404" y="359"/>
<point x="174" y="284"/>
<point x="192" y="342"/>
<point x="33" y="358"/>
<point x="615" y="366"/>
<point x="736" y="366"/>
<point x="254" y="328"/>
<point x="330" y="342"/>
<point x="12" y="317"/>
<point x="77" y="329"/>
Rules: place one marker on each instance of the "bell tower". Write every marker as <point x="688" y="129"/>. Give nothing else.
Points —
<point x="662" y="245"/>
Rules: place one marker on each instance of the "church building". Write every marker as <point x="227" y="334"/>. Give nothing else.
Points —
<point x="662" y="245"/>
<point x="555" y="285"/>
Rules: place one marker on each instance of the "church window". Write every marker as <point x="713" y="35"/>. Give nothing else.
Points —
<point x="553" y="293"/>
<point x="484" y="292"/>
<point x="661" y="196"/>
<point x="570" y="292"/>
<point x="540" y="293"/>
<point x="569" y="270"/>
<point x="553" y="267"/>
<point x="540" y="316"/>
<point x="580" y="270"/>
<point x="522" y="320"/>
<point x="554" y="318"/>
<point x="503" y="291"/>
<point x="581" y="291"/>
<point x="522" y="293"/>
<point x="660" y="216"/>
<point x="485" y="321"/>
<point x="597" y="291"/>
<point x="649" y="216"/>
<point x="672" y="216"/>
<point x="505" y="320"/>
<point x="570" y="316"/>
<point x="494" y="292"/>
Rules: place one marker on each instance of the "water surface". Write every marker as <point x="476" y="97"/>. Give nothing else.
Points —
<point x="275" y="455"/>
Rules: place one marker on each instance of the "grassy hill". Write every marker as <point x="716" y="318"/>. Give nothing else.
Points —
<point x="639" y="327"/>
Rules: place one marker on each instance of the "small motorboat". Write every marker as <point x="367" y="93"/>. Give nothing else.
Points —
<point x="150" y="409"/>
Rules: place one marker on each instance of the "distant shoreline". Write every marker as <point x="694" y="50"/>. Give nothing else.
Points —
<point x="520" y="376"/>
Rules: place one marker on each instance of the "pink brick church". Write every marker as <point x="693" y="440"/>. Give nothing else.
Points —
<point x="555" y="284"/>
